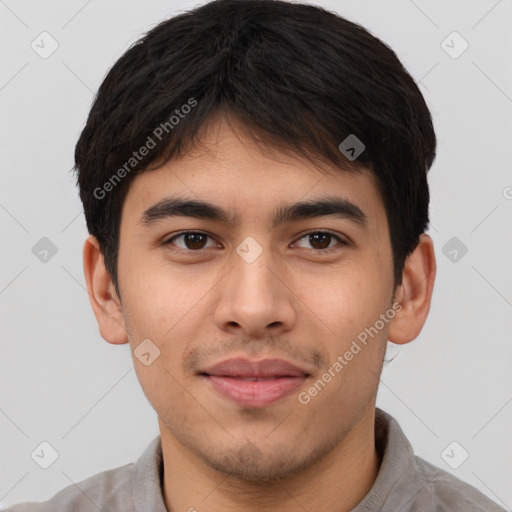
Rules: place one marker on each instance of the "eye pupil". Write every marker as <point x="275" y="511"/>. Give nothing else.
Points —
<point x="322" y="238"/>
<point x="192" y="240"/>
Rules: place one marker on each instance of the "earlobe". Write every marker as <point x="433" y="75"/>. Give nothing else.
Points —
<point x="102" y="295"/>
<point x="415" y="293"/>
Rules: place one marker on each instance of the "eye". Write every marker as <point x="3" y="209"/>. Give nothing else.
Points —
<point x="194" y="241"/>
<point x="191" y="240"/>
<point x="321" y="241"/>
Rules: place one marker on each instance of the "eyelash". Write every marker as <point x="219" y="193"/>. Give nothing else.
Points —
<point x="316" y="251"/>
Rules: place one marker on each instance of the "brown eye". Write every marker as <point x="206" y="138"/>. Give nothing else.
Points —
<point x="321" y="241"/>
<point x="191" y="240"/>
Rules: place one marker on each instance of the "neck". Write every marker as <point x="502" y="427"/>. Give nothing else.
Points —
<point x="338" y="482"/>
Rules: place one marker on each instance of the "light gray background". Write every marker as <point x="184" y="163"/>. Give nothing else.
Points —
<point x="61" y="383"/>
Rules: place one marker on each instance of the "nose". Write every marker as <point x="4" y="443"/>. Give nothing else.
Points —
<point x="255" y="300"/>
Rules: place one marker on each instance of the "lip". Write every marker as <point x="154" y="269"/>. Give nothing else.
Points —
<point x="255" y="384"/>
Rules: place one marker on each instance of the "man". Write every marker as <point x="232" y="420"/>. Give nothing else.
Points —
<point x="253" y="175"/>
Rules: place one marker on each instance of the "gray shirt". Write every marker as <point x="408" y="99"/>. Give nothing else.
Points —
<point x="405" y="483"/>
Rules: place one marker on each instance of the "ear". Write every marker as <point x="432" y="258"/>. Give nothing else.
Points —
<point x="104" y="300"/>
<point x="415" y="293"/>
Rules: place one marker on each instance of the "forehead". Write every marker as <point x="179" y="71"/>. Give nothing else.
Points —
<point x="249" y="180"/>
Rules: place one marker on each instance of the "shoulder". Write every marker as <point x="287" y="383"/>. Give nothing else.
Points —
<point x="109" y="490"/>
<point x="450" y="493"/>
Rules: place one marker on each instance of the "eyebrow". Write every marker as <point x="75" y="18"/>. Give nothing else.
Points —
<point x="183" y="207"/>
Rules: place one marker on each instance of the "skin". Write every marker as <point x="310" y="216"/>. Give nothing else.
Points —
<point x="205" y="306"/>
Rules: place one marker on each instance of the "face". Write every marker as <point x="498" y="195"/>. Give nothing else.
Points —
<point x="300" y="287"/>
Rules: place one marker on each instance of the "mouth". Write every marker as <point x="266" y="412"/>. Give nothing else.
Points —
<point x="255" y="384"/>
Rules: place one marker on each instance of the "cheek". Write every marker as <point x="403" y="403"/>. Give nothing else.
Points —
<point x="172" y="311"/>
<point x="352" y="310"/>
<point x="160" y="296"/>
<point x="346" y="301"/>
<point x="165" y="391"/>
